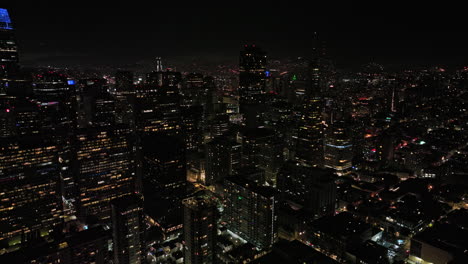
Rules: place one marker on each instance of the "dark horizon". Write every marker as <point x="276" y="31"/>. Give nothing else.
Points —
<point x="119" y="34"/>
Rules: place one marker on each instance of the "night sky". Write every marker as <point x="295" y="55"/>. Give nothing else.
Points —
<point x="136" y="31"/>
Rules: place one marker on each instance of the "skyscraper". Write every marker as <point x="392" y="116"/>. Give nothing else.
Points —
<point x="313" y="188"/>
<point x="157" y="104"/>
<point x="251" y="211"/>
<point x="125" y="98"/>
<point x="252" y="83"/>
<point x="309" y="146"/>
<point x="128" y="230"/>
<point x="338" y="153"/>
<point x="165" y="166"/>
<point x="30" y="190"/>
<point x="124" y="82"/>
<point x="200" y="230"/>
<point x="55" y="97"/>
<point x="86" y="247"/>
<point x="8" y="51"/>
<point x="104" y="168"/>
<point x="223" y="158"/>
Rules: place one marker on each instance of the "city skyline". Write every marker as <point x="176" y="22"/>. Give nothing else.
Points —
<point x="122" y="34"/>
<point x="295" y="146"/>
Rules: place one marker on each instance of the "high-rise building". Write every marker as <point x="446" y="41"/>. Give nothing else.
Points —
<point x="200" y="230"/>
<point x="97" y="106"/>
<point x="223" y="158"/>
<point x="85" y="247"/>
<point x="128" y="230"/>
<point x="157" y="104"/>
<point x="8" y="51"/>
<point x="19" y="117"/>
<point x="251" y="211"/>
<point x="309" y="148"/>
<point x="252" y="76"/>
<point x="192" y="119"/>
<point x="104" y="168"/>
<point x="252" y="84"/>
<point x="338" y="153"/>
<point x="193" y="90"/>
<point x="124" y="98"/>
<point x="55" y="97"/>
<point x="164" y="166"/>
<point x="313" y="188"/>
<point x="30" y="189"/>
<point x="124" y="82"/>
<point x="263" y="149"/>
<point x="309" y="141"/>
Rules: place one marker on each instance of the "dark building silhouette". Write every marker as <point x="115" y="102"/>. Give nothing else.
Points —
<point x="128" y="229"/>
<point x="223" y="158"/>
<point x="313" y="188"/>
<point x="252" y="84"/>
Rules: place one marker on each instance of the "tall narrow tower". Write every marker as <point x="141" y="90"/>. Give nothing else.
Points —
<point x="252" y="83"/>
<point x="309" y="144"/>
<point x="8" y="51"/>
<point x="8" y="46"/>
<point x="200" y="218"/>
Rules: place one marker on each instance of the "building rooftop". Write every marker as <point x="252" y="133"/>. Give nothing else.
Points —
<point x="341" y="225"/>
<point x="5" y="21"/>
<point x="198" y="202"/>
<point x="265" y="191"/>
<point x="293" y="252"/>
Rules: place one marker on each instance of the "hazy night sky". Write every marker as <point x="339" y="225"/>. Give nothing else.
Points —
<point x="136" y="31"/>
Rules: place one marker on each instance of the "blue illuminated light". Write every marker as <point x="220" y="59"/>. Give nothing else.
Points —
<point x="340" y="147"/>
<point x="71" y="82"/>
<point x="267" y="73"/>
<point x="5" y="22"/>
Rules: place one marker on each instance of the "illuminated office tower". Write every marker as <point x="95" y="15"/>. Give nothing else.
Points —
<point x="104" y="167"/>
<point x="157" y="105"/>
<point x="252" y="84"/>
<point x="19" y="117"/>
<point x="128" y="230"/>
<point x="193" y="90"/>
<point x="251" y="211"/>
<point x="124" y="98"/>
<point x="97" y="105"/>
<point x="85" y="247"/>
<point x="200" y="230"/>
<point x="338" y="152"/>
<point x="313" y="188"/>
<point x="223" y="158"/>
<point x="8" y="51"/>
<point x="309" y="148"/>
<point x="192" y="118"/>
<point x="252" y="77"/>
<point x="262" y="148"/>
<point x="29" y="190"/>
<point x="55" y="97"/>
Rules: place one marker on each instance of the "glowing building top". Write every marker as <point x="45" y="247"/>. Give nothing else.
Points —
<point x="5" y="22"/>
